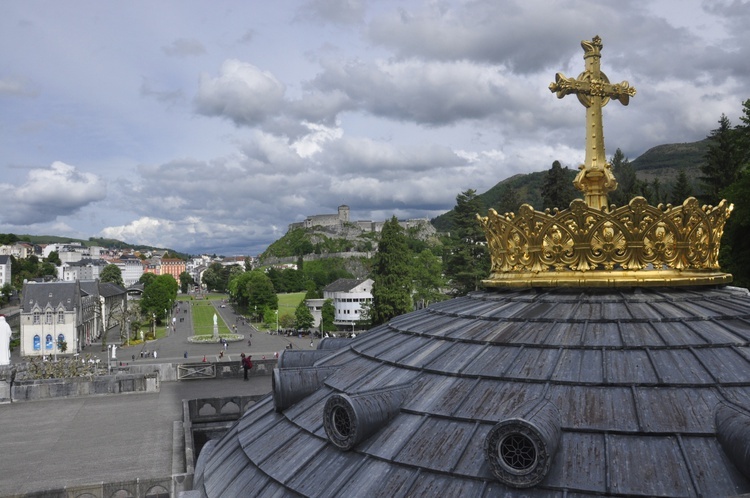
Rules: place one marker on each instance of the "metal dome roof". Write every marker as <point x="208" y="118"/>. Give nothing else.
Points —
<point x="538" y="392"/>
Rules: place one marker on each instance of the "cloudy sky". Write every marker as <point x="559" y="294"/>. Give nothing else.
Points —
<point x="209" y="126"/>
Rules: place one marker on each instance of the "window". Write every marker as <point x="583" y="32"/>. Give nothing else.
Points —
<point x="37" y="318"/>
<point x="48" y="342"/>
<point x="37" y="343"/>
<point x="60" y="317"/>
<point x="48" y="318"/>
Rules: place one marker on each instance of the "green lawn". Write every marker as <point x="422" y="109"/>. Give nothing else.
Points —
<point x="290" y="301"/>
<point x="203" y="311"/>
<point x="203" y="319"/>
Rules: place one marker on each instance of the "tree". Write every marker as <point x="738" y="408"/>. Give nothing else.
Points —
<point x="270" y="318"/>
<point x="657" y="193"/>
<point x="508" y="203"/>
<point x="743" y="135"/>
<point x="112" y="274"/>
<point x="391" y="290"/>
<point x="327" y="316"/>
<point x="54" y="258"/>
<point x="260" y="291"/>
<point x="735" y="244"/>
<point x="627" y="183"/>
<point x="146" y="279"/>
<point x="682" y="189"/>
<point x="186" y="280"/>
<point x="159" y="296"/>
<point x="216" y="277"/>
<point x="466" y="259"/>
<point x="724" y="159"/>
<point x="558" y="190"/>
<point x="303" y="319"/>
<point x="427" y="273"/>
<point x="6" y="291"/>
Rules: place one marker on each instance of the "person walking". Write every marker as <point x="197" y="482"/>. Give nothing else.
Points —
<point x="247" y="363"/>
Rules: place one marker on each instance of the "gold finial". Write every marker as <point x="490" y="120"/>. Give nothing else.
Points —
<point x="593" y="89"/>
<point x="591" y="244"/>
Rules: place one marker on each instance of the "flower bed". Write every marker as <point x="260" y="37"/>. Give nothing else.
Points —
<point x="209" y="339"/>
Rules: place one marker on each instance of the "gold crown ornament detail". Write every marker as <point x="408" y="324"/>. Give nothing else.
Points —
<point x="591" y="244"/>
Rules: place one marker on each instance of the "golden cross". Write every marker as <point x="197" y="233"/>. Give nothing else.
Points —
<point x="594" y="91"/>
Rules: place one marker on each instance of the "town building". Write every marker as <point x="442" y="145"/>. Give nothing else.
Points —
<point x="83" y="269"/>
<point x="130" y="267"/>
<point x="172" y="266"/>
<point x="5" y="270"/>
<point x="316" y="310"/>
<point x="350" y="298"/>
<point x="75" y="313"/>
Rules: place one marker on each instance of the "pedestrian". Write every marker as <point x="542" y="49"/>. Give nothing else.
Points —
<point x="204" y="359"/>
<point x="155" y="354"/>
<point x="247" y="363"/>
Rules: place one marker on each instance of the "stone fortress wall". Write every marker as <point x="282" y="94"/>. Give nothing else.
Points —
<point x="341" y="219"/>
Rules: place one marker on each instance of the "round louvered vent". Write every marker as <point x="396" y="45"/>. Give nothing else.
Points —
<point x="518" y="453"/>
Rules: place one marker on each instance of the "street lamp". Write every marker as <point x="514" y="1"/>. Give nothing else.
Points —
<point x="277" y="322"/>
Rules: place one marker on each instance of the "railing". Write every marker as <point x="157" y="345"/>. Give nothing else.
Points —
<point x="190" y="371"/>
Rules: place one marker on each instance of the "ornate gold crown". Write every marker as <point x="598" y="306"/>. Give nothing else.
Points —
<point x="595" y="245"/>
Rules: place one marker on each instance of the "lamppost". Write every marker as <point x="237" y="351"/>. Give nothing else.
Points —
<point x="277" y="322"/>
<point x="256" y="313"/>
<point x="153" y="315"/>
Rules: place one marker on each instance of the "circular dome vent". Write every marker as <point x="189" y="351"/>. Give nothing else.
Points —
<point x="340" y="421"/>
<point x="518" y="454"/>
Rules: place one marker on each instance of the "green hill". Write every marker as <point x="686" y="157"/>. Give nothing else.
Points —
<point x="662" y="162"/>
<point x="92" y="241"/>
<point x="665" y="161"/>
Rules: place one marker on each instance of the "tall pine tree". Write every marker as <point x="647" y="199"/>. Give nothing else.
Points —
<point x="558" y="190"/>
<point x="627" y="184"/>
<point x="682" y="189"/>
<point x="724" y="160"/>
<point x="466" y="259"/>
<point x="391" y="290"/>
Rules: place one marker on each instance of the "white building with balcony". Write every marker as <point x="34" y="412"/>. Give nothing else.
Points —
<point x="348" y="296"/>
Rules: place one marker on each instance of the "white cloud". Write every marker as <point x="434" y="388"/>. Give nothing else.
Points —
<point x="48" y="194"/>
<point x="242" y="93"/>
<point x="218" y="140"/>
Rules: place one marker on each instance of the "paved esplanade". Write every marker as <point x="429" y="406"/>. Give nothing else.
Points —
<point x="66" y="442"/>
<point x="172" y="348"/>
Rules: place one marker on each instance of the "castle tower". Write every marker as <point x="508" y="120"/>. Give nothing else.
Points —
<point x="344" y="213"/>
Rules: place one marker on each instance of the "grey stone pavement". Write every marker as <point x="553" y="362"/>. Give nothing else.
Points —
<point x="49" y="444"/>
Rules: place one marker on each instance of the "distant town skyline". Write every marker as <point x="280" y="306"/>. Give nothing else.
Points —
<point x="210" y="127"/>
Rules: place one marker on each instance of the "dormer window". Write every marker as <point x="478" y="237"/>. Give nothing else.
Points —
<point x="37" y="318"/>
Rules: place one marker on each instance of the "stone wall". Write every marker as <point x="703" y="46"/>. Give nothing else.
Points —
<point x="32" y="390"/>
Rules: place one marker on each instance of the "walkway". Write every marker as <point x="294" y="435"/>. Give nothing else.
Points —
<point x="76" y="441"/>
<point x="65" y="442"/>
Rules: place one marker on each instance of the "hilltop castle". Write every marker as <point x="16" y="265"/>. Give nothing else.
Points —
<point x="339" y="220"/>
